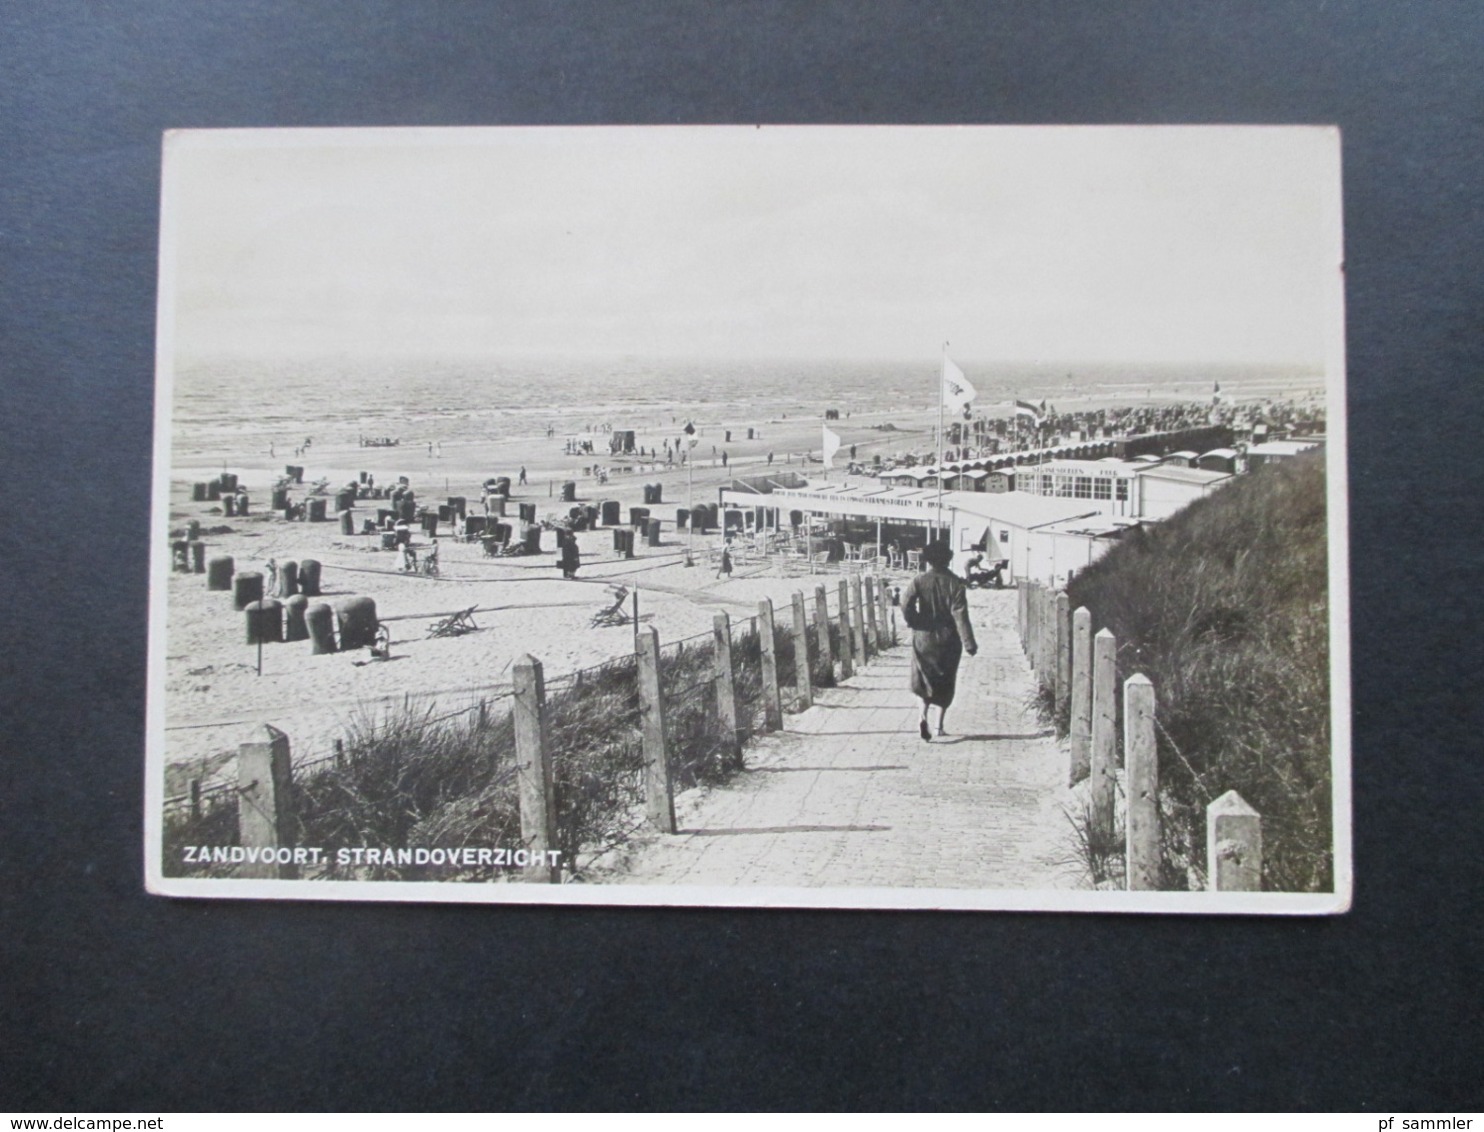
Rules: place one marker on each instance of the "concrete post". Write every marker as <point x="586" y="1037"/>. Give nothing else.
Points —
<point x="726" y="687"/>
<point x="803" y="692"/>
<point x="533" y="771"/>
<point x="659" y="797"/>
<point x="1063" y="651"/>
<point x="1233" y="845"/>
<point x="1141" y="783"/>
<point x="1103" y="753"/>
<point x="264" y="793"/>
<point x="1080" y="731"/>
<point x="847" y="648"/>
<point x="857" y="622"/>
<point x="822" y="630"/>
<point x="772" y="701"/>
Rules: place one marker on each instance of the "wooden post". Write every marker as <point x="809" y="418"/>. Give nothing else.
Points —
<point x="1103" y="732"/>
<point x="195" y="799"/>
<point x="772" y="701"/>
<point x="822" y="629"/>
<point x="857" y="623"/>
<point x="726" y="687"/>
<point x="1022" y="590"/>
<point x="868" y="602"/>
<point x="533" y="772"/>
<point x="1080" y="727"/>
<point x="1141" y="783"/>
<point x="1063" y="651"/>
<point x="847" y="649"/>
<point x="1048" y="639"/>
<point x="659" y="797"/>
<point x="264" y="785"/>
<point x="804" y="693"/>
<point x="888" y="628"/>
<point x="1233" y="845"/>
<point x="1032" y="630"/>
<point x="1047" y="662"/>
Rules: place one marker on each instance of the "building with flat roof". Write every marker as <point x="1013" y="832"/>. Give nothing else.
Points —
<point x="1275" y="450"/>
<point x="1169" y="487"/>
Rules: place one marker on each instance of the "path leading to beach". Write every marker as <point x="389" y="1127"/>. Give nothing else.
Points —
<point x="848" y="794"/>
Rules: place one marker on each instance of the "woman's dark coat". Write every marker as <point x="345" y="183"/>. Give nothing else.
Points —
<point x="935" y="606"/>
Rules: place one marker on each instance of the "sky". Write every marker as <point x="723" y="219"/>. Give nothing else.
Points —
<point x="1037" y="244"/>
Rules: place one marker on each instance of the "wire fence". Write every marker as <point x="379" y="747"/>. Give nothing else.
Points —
<point x="409" y="771"/>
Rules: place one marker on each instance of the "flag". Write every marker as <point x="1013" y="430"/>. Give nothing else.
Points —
<point x="1026" y="409"/>
<point x="831" y="446"/>
<point x="690" y="435"/>
<point x="957" y="392"/>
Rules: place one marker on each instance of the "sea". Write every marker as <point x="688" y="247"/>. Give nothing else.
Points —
<point x="222" y="402"/>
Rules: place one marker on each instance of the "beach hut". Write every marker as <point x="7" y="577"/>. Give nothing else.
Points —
<point x="1218" y="460"/>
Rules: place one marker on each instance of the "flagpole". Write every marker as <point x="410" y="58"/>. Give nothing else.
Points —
<point x="942" y="381"/>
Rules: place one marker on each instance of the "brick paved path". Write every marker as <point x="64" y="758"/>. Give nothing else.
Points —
<point x="849" y="795"/>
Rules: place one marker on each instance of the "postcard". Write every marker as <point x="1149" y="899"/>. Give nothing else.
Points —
<point x="844" y="517"/>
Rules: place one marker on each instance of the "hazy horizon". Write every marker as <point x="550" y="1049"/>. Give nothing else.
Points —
<point x="1131" y="245"/>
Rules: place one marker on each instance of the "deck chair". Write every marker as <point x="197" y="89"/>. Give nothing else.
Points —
<point x="455" y="624"/>
<point x="613" y="614"/>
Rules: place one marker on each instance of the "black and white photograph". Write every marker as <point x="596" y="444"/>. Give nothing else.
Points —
<point x="847" y="517"/>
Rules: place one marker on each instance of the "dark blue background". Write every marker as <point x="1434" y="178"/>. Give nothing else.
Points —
<point x="113" y="1000"/>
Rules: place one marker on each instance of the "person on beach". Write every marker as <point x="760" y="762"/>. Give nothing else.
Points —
<point x="522" y="475"/>
<point x="935" y="607"/>
<point x="571" y="557"/>
<point x="725" y="569"/>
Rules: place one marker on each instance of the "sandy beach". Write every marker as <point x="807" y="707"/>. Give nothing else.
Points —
<point x="523" y="605"/>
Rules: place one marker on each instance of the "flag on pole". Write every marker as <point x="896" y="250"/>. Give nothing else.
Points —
<point x="831" y="446"/>
<point x="1026" y="409"/>
<point x="690" y="435"/>
<point x="957" y="392"/>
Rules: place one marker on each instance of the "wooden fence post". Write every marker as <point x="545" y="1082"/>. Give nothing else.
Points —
<point x="1023" y="612"/>
<point x="868" y="605"/>
<point x="1035" y="634"/>
<point x="659" y="797"/>
<point x="264" y="789"/>
<point x="1080" y="731"/>
<point x="822" y="628"/>
<point x="857" y="622"/>
<point x="803" y="692"/>
<point x="533" y="771"/>
<point x="1233" y="845"/>
<point x="1033" y="631"/>
<point x="726" y="686"/>
<point x="1103" y="729"/>
<point x="772" y="702"/>
<point x="1141" y="783"/>
<point x="847" y="648"/>
<point x="883" y="613"/>
<point x="1048" y="640"/>
<point x="1029" y="637"/>
<point x="1063" y="650"/>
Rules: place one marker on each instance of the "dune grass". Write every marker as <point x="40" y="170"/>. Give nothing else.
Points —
<point x="1225" y="608"/>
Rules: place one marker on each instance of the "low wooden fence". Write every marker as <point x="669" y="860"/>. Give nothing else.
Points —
<point x="699" y="700"/>
<point x="1077" y="671"/>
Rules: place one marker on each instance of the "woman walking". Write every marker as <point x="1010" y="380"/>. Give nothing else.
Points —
<point x="936" y="609"/>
